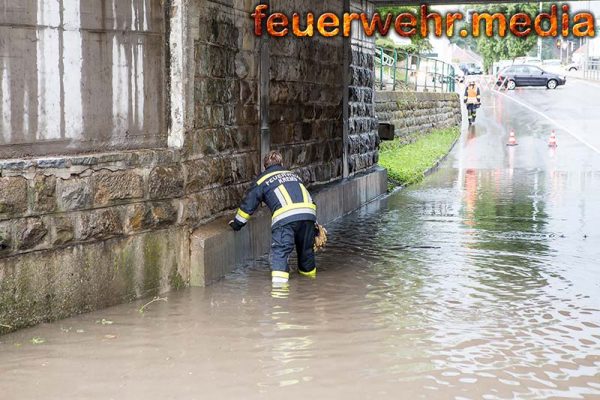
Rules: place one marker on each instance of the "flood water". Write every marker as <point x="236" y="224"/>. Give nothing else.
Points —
<point x="482" y="282"/>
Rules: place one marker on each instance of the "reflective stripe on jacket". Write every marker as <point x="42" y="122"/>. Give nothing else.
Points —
<point x="472" y="95"/>
<point x="285" y="195"/>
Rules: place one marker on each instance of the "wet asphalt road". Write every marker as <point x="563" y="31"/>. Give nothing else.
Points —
<point x="481" y="282"/>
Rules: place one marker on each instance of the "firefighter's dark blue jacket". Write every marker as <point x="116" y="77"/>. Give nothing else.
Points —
<point x="283" y="192"/>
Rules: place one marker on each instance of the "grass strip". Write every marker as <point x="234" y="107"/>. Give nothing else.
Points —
<point x="407" y="164"/>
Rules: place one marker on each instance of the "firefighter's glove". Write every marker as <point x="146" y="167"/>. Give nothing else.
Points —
<point x="236" y="226"/>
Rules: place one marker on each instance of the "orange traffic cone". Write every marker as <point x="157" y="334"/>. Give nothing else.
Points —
<point x="552" y="141"/>
<point x="512" y="140"/>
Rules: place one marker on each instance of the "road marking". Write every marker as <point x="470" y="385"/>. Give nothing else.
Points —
<point x="559" y="125"/>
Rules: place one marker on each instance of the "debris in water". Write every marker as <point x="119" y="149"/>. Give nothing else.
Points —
<point x="154" y="300"/>
<point x="105" y="322"/>
<point x="38" y="340"/>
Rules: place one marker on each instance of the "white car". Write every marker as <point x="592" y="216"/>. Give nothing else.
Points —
<point x="573" y="67"/>
<point x="459" y="75"/>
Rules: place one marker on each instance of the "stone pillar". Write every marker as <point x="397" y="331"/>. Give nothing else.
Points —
<point x="363" y="141"/>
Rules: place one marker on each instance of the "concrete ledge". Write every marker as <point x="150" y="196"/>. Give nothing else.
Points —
<point x="216" y="250"/>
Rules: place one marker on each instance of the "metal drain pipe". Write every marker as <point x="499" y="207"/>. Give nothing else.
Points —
<point x="264" y="83"/>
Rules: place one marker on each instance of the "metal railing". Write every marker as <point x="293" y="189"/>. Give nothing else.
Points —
<point x="591" y="70"/>
<point x="395" y="69"/>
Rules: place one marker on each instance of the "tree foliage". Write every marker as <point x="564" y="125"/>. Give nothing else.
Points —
<point x="418" y="44"/>
<point x="411" y="48"/>
<point x="497" y="48"/>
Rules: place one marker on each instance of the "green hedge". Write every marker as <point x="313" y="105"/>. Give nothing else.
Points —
<point x="407" y="164"/>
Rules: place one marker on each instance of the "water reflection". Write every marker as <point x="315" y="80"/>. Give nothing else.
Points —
<point x="477" y="283"/>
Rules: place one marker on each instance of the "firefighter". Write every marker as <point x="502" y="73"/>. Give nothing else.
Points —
<point x="293" y="220"/>
<point x="472" y="99"/>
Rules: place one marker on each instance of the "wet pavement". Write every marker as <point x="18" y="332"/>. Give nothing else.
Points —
<point x="480" y="282"/>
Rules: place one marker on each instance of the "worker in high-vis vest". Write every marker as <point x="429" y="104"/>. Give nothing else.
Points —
<point x="293" y="220"/>
<point x="472" y="99"/>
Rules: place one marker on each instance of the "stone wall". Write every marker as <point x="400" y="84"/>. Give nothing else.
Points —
<point x="83" y="231"/>
<point x="306" y="93"/>
<point x="414" y="113"/>
<point x="221" y="149"/>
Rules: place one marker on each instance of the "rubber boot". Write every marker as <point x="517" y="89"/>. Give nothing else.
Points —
<point x="311" y="274"/>
<point x="280" y="277"/>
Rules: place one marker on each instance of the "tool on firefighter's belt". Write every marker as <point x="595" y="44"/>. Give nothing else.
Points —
<point x="320" y="237"/>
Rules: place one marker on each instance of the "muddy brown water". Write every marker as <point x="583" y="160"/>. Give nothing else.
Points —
<point x="482" y="282"/>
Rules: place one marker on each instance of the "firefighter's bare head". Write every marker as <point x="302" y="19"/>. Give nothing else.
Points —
<point x="273" y="158"/>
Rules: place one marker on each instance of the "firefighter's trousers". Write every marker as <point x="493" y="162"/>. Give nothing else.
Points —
<point x="299" y="235"/>
<point x="471" y="111"/>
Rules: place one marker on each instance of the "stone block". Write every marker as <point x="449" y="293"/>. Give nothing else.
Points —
<point x="100" y="224"/>
<point x="74" y="194"/>
<point x="216" y="250"/>
<point x="44" y="193"/>
<point x="145" y="216"/>
<point x="16" y="165"/>
<point x="199" y="174"/>
<point x="138" y="217"/>
<point x="13" y="196"/>
<point x="62" y="231"/>
<point x="117" y="185"/>
<point x="5" y="238"/>
<point x="166" y="182"/>
<point x="29" y="233"/>
<point x="163" y="214"/>
<point x="53" y="163"/>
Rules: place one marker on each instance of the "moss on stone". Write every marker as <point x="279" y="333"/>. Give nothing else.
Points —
<point x="176" y="281"/>
<point x="151" y="272"/>
<point x="124" y="270"/>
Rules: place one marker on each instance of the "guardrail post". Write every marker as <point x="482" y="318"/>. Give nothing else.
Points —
<point x="381" y="70"/>
<point x="444" y="77"/>
<point x="426" y="71"/>
<point x="417" y="73"/>
<point x="394" y="73"/>
<point x="435" y="77"/>
<point x="407" y="70"/>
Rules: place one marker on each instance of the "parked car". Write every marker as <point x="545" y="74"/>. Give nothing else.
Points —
<point x="593" y="63"/>
<point x="471" y="69"/>
<point x="529" y="75"/>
